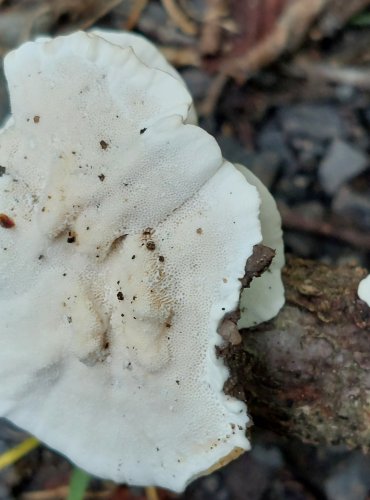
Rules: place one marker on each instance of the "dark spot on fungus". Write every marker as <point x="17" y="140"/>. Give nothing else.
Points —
<point x="2" y="170"/>
<point x="142" y="131"/>
<point x="199" y="230"/>
<point x="101" y="177"/>
<point x="41" y="257"/>
<point x="161" y="258"/>
<point x="103" y="144"/>
<point x="150" y="245"/>
<point x="178" y="382"/>
<point x="69" y="318"/>
<point x="120" y="296"/>
<point x="71" y="237"/>
<point x="6" y="222"/>
<point x="36" y="119"/>
<point x="133" y="257"/>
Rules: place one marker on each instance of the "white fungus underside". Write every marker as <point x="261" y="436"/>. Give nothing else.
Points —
<point x="364" y="290"/>
<point x="108" y="347"/>
<point x="265" y="296"/>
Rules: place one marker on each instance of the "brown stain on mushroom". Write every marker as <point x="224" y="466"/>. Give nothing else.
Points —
<point x="150" y="245"/>
<point x="36" y="119"/>
<point x="6" y="222"/>
<point x="159" y="296"/>
<point x="72" y="237"/>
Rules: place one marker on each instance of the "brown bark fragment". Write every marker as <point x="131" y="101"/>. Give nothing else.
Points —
<point x="257" y="263"/>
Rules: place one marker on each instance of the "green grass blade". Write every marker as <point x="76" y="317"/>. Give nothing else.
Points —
<point x="78" y="484"/>
<point x="361" y="20"/>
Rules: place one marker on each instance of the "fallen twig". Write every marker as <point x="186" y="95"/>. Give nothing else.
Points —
<point x="207" y="107"/>
<point x="293" y="220"/>
<point x="179" y="18"/>
<point x="351" y="76"/>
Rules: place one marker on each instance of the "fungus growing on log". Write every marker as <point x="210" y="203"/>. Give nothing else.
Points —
<point x="364" y="290"/>
<point x="127" y="253"/>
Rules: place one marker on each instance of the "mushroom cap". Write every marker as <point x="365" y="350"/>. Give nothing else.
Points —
<point x="130" y="234"/>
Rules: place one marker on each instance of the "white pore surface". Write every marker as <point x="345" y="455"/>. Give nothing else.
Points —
<point x="364" y="290"/>
<point x="108" y="328"/>
<point x="265" y="296"/>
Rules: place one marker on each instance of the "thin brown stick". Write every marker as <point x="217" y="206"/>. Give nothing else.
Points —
<point x="209" y="103"/>
<point x="293" y="220"/>
<point x="179" y="18"/>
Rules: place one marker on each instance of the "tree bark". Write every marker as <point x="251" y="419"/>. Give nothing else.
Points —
<point x="307" y="372"/>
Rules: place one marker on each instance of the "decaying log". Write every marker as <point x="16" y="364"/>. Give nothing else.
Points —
<point x="307" y="372"/>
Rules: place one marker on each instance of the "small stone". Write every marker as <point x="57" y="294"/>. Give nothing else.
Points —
<point x="266" y="167"/>
<point x="341" y="163"/>
<point x="349" y="479"/>
<point x="271" y="139"/>
<point x="352" y="205"/>
<point x="314" y="121"/>
<point x="307" y="153"/>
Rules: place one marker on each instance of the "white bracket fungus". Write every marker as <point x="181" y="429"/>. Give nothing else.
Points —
<point x="364" y="290"/>
<point x="123" y="238"/>
<point x="265" y="296"/>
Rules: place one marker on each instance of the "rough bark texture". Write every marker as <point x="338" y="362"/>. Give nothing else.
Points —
<point x="307" y="372"/>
